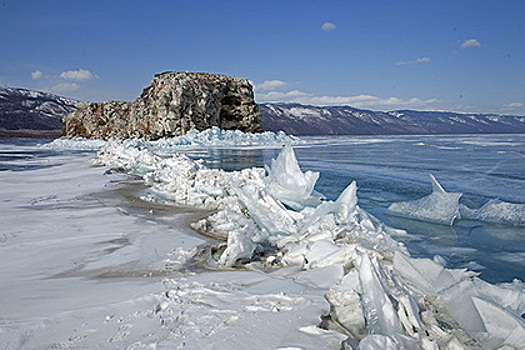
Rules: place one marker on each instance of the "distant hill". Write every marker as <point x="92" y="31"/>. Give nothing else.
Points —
<point x="299" y="119"/>
<point x="24" y="111"/>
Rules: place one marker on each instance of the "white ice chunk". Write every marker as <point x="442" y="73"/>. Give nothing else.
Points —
<point x="503" y="328"/>
<point x="497" y="211"/>
<point x="409" y="314"/>
<point x="344" y="208"/>
<point x="460" y="301"/>
<point x="318" y="250"/>
<point x="439" y="207"/>
<point x="240" y="246"/>
<point x="287" y="183"/>
<point x="78" y="144"/>
<point x="346" y="204"/>
<point x="425" y="275"/>
<point x="322" y="277"/>
<point x="383" y="342"/>
<point x="380" y="313"/>
<point x="346" y="308"/>
<point x="270" y="215"/>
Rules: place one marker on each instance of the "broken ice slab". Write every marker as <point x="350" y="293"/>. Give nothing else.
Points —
<point x="426" y="275"/>
<point x="439" y="207"/>
<point x="379" y="311"/>
<point x="287" y="183"/>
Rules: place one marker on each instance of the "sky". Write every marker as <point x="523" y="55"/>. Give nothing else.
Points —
<point x="465" y="56"/>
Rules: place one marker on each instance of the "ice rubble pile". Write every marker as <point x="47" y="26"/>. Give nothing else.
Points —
<point x="444" y="208"/>
<point x="79" y="144"/>
<point x="213" y="137"/>
<point x="379" y="297"/>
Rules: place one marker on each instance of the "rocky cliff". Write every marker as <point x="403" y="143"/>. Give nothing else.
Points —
<point x="173" y="104"/>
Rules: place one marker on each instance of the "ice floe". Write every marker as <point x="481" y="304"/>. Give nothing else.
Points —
<point x="439" y="207"/>
<point x="444" y="208"/>
<point x="496" y="211"/>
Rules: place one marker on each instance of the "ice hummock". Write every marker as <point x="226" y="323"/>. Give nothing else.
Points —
<point x="439" y="207"/>
<point x="338" y="246"/>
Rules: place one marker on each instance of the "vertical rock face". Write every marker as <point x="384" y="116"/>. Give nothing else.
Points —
<point x="173" y="104"/>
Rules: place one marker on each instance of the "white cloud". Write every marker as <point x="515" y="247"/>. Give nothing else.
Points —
<point x="372" y="102"/>
<point x="78" y="75"/>
<point x="470" y="43"/>
<point x="423" y="60"/>
<point x="328" y="26"/>
<point x="281" y="96"/>
<point x="36" y="75"/>
<point x="359" y="101"/>
<point x="65" y="88"/>
<point x="420" y="60"/>
<point x="513" y="105"/>
<point x="270" y="85"/>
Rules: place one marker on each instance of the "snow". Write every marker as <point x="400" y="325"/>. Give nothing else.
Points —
<point x="280" y="257"/>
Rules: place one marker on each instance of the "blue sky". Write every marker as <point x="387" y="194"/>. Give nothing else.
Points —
<point x="380" y="55"/>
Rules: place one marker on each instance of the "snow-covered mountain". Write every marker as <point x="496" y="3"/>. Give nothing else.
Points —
<point x="343" y="120"/>
<point x="32" y="110"/>
<point x="35" y="110"/>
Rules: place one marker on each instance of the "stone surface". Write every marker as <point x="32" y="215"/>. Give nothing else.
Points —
<point x="173" y="104"/>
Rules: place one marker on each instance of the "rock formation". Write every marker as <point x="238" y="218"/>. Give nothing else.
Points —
<point x="173" y="104"/>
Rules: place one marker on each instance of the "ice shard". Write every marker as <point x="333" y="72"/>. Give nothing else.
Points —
<point x="287" y="183"/>
<point x="380" y="313"/>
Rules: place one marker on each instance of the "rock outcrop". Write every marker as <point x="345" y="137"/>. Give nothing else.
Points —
<point x="173" y="104"/>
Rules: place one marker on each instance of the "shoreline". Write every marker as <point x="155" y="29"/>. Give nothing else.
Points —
<point x="30" y="134"/>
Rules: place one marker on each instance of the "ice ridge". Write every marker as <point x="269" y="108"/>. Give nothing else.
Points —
<point x="213" y="137"/>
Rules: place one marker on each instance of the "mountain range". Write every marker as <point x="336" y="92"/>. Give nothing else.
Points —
<point x="343" y="120"/>
<point x="22" y="109"/>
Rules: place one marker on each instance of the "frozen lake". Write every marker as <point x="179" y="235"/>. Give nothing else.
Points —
<point x="91" y="257"/>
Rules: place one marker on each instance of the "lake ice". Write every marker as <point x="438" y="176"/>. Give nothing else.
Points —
<point x="191" y="243"/>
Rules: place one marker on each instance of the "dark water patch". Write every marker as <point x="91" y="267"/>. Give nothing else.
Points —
<point x="233" y="159"/>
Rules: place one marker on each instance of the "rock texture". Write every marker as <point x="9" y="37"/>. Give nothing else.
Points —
<point x="173" y="104"/>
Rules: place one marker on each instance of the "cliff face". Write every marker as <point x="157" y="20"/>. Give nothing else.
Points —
<point x="173" y="104"/>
